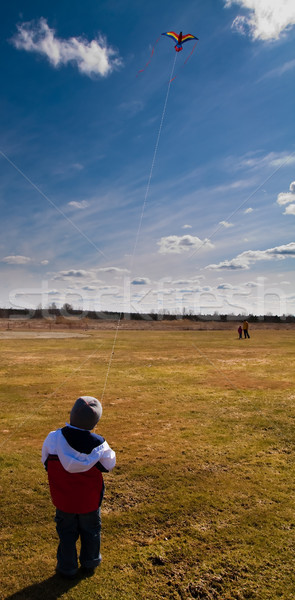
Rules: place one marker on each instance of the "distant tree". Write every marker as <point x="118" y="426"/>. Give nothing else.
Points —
<point x="38" y="313"/>
<point x="67" y="310"/>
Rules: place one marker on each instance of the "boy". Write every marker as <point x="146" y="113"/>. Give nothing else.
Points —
<point x="75" y="459"/>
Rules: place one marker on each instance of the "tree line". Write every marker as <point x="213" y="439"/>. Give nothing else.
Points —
<point x="67" y="311"/>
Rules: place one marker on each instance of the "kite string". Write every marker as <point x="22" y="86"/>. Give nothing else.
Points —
<point x="111" y="357"/>
<point x="186" y="60"/>
<point x="152" y="165"/>
<point x="140" y="221"/>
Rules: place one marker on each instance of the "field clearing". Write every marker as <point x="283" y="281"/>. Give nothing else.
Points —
<point x="201" y="502"/>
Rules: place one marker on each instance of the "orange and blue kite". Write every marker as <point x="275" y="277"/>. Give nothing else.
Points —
<point x="180" y="39"/>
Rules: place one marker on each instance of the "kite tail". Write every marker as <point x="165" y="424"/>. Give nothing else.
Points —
<point x="186" y="60"/>
<point x="151" y="56"/>
<point x="190" y="54"/>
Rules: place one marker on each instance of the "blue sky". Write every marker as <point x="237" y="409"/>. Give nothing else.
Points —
<point x="136" y="193"/>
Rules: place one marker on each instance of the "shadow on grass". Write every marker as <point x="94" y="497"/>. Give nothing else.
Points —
<point x="49" y="589"/>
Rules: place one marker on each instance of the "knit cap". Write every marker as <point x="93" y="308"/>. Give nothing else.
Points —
<point x="86" y="412"/>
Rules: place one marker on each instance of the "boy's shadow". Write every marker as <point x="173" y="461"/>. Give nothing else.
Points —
<point x="51" y="589"/>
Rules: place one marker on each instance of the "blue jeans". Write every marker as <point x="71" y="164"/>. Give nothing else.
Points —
<point x="69" y="527"/>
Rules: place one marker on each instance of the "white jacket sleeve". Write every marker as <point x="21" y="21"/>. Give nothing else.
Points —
<point x="108" y="459"/>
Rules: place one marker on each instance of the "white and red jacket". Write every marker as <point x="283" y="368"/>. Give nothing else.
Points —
<point x="75" y="459"/>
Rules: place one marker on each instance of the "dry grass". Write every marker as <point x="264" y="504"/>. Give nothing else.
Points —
<point x="200" y="504"/>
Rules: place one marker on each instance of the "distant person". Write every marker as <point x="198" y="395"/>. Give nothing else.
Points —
<point x="245" y="329"/>
<point x="75" y="459"/>
<point x="240" y="331"/>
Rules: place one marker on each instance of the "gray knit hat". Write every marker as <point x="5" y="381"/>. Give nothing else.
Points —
<point x="86" y="412"/>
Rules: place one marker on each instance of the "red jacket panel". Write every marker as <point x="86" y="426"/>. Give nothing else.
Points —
<point x="74" y="492"/>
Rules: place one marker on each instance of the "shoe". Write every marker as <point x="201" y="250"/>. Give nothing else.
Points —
<point x="67" y="574"/>
<point x="87" y="571"/>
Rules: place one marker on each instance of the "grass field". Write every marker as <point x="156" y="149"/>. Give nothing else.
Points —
<point x="201" y="502"/>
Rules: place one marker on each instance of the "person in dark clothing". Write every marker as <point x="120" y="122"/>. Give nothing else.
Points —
<point x="245" y="329"/>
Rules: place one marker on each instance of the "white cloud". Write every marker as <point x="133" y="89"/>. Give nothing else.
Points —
<point x="91" y="58"/>
<point x="188" y="281"/>
<point x="251" y="284"/>
<point x="267" y="19"/>
<point x="225" y="286"/>
<point x="285" y="198"/>
<point x="290" y="210"/>
<point x="16" y="260"/>
<point x="248" y="211"/>
<point x="288" y="198"/>
<point x="81" y="205"/>
<point x="187" y="227"/>
<point x="174" y="244"/>
<point x="250" y="257"/>
<point x="226" y="224"/>
<point x="73" y="273"/>
<point x="112" y="270"/>
<point x="141" y="281"/>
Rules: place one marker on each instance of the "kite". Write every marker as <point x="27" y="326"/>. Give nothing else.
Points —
<point x="180" y="39"/>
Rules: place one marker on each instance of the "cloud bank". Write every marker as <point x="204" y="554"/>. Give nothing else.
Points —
<point x="267" y="20"/>
<point x="174" y="244"/>
<point x="91" y="58"/>
<point x="250" y="257"/>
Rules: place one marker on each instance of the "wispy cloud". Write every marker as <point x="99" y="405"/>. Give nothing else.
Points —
<point x="174" y="244"/>
<point x="80" y="205"/>
<point x="117" y="270"/>
<point x="91" y="58"/>
<point x="267" y="19"/>
<point x="132" y="108"/>
<point x="256" y="160"/>
<point x="226" y="224"/>
<point x="250" y="257"/>
<point x="16" y="260"/>
<point x="280" y="70"/>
